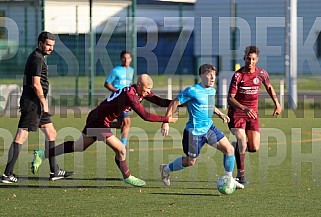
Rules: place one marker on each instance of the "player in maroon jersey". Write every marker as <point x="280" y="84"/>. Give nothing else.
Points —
<point x="98" y="125"/>
<point x="243" y="106"/>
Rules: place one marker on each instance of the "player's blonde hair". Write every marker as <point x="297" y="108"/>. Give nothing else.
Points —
<point x="145" y="79"/>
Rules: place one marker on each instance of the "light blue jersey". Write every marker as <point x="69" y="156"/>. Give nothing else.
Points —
<point x="120" y="77"/>
<point x="200" y="105"/>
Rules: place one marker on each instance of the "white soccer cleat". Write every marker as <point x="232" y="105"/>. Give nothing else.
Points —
<point x="238" y="185"/>
<point x="164" y="175"/>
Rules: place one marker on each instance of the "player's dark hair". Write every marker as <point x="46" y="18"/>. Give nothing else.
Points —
<point x="206" y="68"/>
<point x="123" y="52"/>
<point x="251" y="49"/>
<point x="46" y="35"/>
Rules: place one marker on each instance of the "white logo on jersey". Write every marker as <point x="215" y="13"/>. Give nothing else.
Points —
<point x="256" y="80"/>
<point x="249" y="90"/>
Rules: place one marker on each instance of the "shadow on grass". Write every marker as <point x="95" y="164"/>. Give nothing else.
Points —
<point x="30" y="178"/>
<point x="61" y="186"/>
<point x="185" y="194"/>
<point x="44" y="182"/>
<point x="62" y="183"/>
<point x="173" y="180"/>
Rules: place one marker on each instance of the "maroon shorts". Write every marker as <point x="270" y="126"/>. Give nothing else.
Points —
<point x="96" y="127"/>
<point x="244" y="122"/>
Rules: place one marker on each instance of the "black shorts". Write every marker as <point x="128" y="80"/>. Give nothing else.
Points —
<point x="32" y="116"/>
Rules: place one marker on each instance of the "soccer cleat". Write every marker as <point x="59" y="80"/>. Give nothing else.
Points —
<point x="38" y="157"/>
<point x="132" y="180"/>
<point x="238" y="185"/>
<point x="9" y="179"/>
<point x="164" y="175"/>
<point x="61" y="174"/>
<point x="242" y="180"/>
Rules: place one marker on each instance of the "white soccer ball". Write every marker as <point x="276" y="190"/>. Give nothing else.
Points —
<point x="226" y="184"/>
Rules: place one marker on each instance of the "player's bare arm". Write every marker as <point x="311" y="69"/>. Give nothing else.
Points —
<point x="110" y="87"/>
<point x="233" y="102"/>
<point x="39" y="91"/>
<point x="221" y="115"/>
<point x="272" y="93"/>
<point x="170" y="111"/>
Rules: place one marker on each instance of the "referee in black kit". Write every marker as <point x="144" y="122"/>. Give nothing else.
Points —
<point x="34" y="109"/>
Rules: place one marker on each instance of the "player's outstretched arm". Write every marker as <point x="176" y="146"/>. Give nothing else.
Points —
<point x="169" y="113"/>
<point x="146" y="116"/>
<point x="158" y="100"/>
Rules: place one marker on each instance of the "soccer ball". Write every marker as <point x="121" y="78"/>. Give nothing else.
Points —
<point x="226" y="184"/>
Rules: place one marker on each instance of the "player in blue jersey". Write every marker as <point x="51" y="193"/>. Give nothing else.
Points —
<point x="200" y="101"/>
<point x="119" y="77"/>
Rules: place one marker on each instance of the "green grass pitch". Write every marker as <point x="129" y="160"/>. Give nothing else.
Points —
<point x="284" y="175"/>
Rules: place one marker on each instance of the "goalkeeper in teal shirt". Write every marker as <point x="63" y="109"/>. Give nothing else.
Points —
<point x="119" y="77"/>
<point x="200" y="101"/>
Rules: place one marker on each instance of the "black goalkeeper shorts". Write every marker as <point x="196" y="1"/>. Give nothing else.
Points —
<point x="32" y="115"/>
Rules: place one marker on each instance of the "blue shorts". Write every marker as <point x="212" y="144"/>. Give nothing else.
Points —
<point x="192" y="144"/>
<point x="122" y="116"/>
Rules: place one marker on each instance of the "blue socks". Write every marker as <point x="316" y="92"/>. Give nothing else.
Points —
<point x="124" y="140"/>
<point x="229" y="161"/>
<point x="176" y="164"/>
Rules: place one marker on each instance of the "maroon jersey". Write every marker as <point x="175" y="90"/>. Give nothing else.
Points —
<point x="124" y="100"/>
<point x="246" y="87"/>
